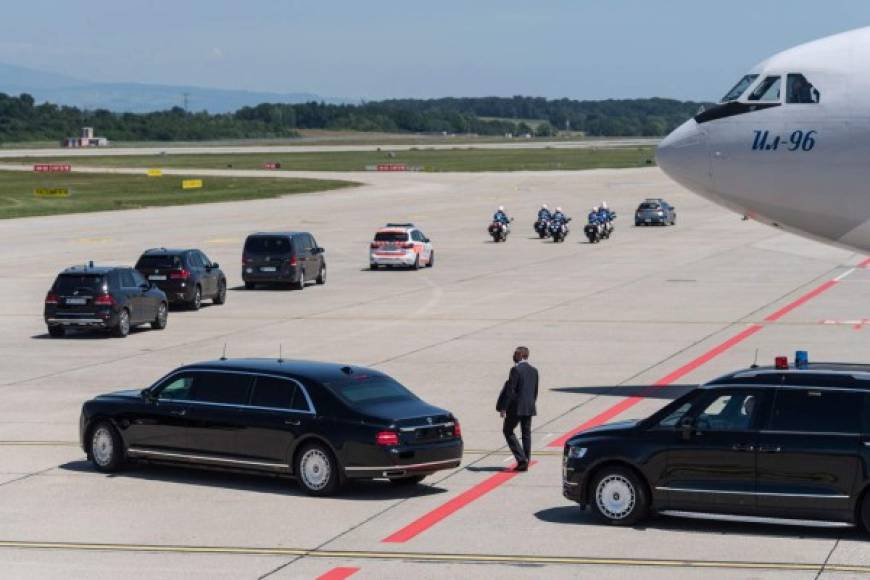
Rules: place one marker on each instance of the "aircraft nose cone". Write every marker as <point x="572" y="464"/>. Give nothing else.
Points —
<point x="684" y="157"/>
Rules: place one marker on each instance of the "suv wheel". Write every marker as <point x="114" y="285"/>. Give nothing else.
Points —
<point x="416" y="265"/>
<point x="221" y="296"/>
<point x="300" y="285"/>
<point x="864" y="513"/>
<point x="56" y="331"/>
<point x="250" y="285"/>
<point x="373" y="266"/>
<point x="431" y="261"/>
<point x="619" y="497"/>
<point x="317" y="470"/>
<point x="122" y="329"/>
<point x="196" y="303"/>
<point x="321" y="278"/>
<point x="106" y="448"/>
<point x="159" y="322"/>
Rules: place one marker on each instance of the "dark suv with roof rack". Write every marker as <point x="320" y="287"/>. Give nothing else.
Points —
<point x="320" y="422"/>
<point x="107" y="298"/>
<point x="282" y="258"/>
<point x="776" y="445"/>
<point x="186" y="276"/>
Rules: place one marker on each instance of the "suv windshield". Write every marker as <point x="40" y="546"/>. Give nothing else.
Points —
<point x="374" y="390"/>
<point x="391" y="237"/>
<point x="649" y="206"/>
<point x="72" y="283"/>
<point x="267" y="244"/>
<point x="739" y="88"/>
<point x="159" y="261"/>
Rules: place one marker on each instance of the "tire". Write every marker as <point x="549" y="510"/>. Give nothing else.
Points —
<point x="122" y="329"/>
<point x="162" y="316"/>
<point x="221" y="296"/>
<point x="637" y="224"/>
<point x="431" y="261"/>
<point x="408" y="480"/>
<point x="105" y="448"/>
<point x="321" y="278"/>
<point x="56" y="331"/>
<point x="317" y="470"/>
<point x="300" y="285"/>
<point x="619" y="497"/>
<point x="373" y="266"/>
<point x="196" y="302"/>
<point x="416" y="265"/>
<point x="250" y="285"/>
<point x="864" y="513"/>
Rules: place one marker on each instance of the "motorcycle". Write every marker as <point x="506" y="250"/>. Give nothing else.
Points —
<point x="607" y="229"/>
<point x="542" y="228"/>
<point x="559" y="230"/>
<point x="499" y="231"/>
<point x="594" y="233"/>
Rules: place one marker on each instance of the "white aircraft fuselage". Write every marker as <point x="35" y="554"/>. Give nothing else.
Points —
<point x="790" y="144"/>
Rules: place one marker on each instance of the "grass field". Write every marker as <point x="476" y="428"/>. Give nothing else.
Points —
<point x="109" y="192"/>
<point x="458" y="159"/>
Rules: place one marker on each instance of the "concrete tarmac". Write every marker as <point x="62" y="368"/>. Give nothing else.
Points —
<point x="602" y="322"/>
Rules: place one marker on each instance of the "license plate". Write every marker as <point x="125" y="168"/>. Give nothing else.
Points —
<point x="157" y="277"/>
<point x="268" y="269"/>
<point x="647" y="220"/>
<point x="76" y="300"/>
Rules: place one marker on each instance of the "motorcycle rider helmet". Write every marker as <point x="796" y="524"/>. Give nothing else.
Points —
<point x="594" y="208"/>
<point x="543" y="206"/>
<point x="558" y="208"/>
<point x="501" y="208"/>
<point x="603" y="205"/>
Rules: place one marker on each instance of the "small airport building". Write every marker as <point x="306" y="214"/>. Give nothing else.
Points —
<point x="86" y="139"/>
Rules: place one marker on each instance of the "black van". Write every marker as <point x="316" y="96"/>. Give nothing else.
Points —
<point x="777" y="445"/>
<point x="282" y="257"/>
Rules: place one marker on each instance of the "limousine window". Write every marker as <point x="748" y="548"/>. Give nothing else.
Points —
<point x="673" y="418"/>
<point x="278" y="394"/>
<point x="816" y="411"/>
<point x="373" y="391"/>
<point x="731" y="412"/>
<point x="178" y="389"/>
<point x="223" y="388"/>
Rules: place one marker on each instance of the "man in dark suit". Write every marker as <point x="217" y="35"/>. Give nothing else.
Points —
<point x="516" y="404"/>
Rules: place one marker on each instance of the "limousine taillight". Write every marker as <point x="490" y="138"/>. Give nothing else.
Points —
<point x="387" y="438"/>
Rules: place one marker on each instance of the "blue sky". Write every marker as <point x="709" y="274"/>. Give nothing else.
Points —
<point x="579" y="49"/>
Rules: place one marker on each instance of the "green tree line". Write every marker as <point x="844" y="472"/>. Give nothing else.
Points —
<point x="21" y="119"/>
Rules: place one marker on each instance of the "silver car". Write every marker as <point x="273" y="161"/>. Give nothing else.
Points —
<point x="655" y="211"/>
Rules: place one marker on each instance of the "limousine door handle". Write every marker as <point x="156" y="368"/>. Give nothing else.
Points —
<point x="739" y="447"/>
<point x="179" y="412"/>
<point x="764" y="449"/>
<point x="294" y="422"/>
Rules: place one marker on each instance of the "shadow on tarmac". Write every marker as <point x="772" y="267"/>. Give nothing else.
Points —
<point x="573" y="515"/>
<point x="669" y="392"/>
<point x="87" y="334"/>
<point x="255" y="482"/>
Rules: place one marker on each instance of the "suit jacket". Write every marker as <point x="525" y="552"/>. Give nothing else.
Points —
<point x="520" y="391"/>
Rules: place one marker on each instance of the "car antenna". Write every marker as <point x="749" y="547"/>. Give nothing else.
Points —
<point x="280" y="352"/>
<point x="224" y="354"/>
<point x="755" y="362"/>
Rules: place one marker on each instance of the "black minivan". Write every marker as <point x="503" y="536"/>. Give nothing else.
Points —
<point x="769" y="444"/>
<point x="320" y="422"/>
<point x="282" y="257"/>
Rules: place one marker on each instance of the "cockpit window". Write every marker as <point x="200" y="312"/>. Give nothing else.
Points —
<point x="800" y="90"/>
<point x="739" y="88"/>
<point x="767" y="90"/>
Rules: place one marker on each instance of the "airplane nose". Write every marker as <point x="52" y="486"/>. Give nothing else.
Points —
<point x="684" y="157"/>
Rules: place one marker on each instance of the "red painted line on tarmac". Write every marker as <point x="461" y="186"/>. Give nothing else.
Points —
<point x="865" y="263"/>
<point x="630" y="402"/>
<point x="339" y="573"/>
<point x="457" y="503"/>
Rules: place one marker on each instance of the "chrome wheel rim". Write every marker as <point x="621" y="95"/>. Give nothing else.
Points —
<point x="615" y="497"/>
<point x="323" y="275"/>
<point x="124" y="323"/>
<point x="161" y="315"/>
<point x="102" y="446"/>
<point x="197" y="298"/>
<point x="316" y="469"/>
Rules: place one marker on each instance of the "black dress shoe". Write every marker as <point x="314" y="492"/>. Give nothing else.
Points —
<point x="522" y="467"/>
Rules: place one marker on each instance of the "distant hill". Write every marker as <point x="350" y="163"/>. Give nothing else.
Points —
<point x="136" y="97"/>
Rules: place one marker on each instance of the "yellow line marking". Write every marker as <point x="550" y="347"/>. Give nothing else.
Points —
<point x="93" y="240"/>
<point x="223" y="241"/>
<point x="435" y="557"/>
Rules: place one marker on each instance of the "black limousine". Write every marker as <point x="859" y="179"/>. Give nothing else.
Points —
<point x="319" y="422"/>
<point x="772" y="444"/>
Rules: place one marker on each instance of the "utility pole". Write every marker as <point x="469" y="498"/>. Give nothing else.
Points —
<point x="185" y="96"/>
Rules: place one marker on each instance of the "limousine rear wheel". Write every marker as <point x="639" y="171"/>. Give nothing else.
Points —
<point x="107" y="450"/>
<point x="619" y="497"/>
<point x="317" y="470"/>
<point x="864" y="514"/>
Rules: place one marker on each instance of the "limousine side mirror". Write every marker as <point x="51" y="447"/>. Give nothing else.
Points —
<point x="687" y="427"/>
<point x="146" y="394"/>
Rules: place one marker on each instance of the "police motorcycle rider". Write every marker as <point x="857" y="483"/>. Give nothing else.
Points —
<point x="559" y="222"/>
<point x="500" y="227"/>
<point x="594" y="225"/>
<point x="606" y="217"/>
<point x="544" y="217"/>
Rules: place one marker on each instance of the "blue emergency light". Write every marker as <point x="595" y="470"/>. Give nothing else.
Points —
<point x="801" y="359"/>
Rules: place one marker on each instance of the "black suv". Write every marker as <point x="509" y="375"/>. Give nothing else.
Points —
<point x="282" y="257"/>
<point x="322" y="423"/>
<point x="108" y="298"/>
<point x="781" y="445"/>
<point x="186" y="276"/>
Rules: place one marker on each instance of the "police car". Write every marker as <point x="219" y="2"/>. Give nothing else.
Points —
<point x="401" y="244"/>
